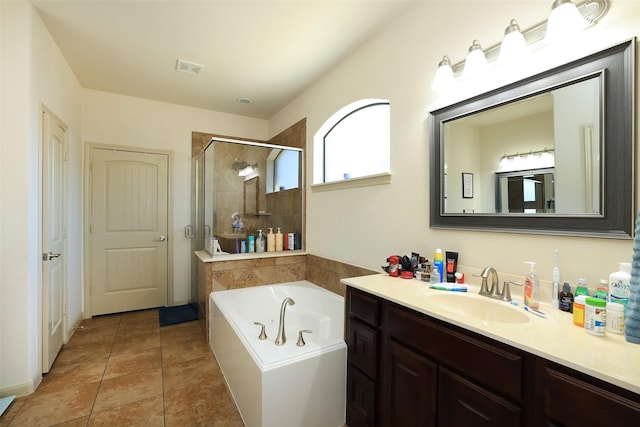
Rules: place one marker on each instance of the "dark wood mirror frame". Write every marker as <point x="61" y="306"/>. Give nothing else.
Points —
<point x="617" y="64"/>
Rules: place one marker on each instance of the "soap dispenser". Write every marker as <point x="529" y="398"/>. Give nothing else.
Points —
<point x="271" y="240"/>
<point x="531" y="287"/>
<point x="279" y="242"/>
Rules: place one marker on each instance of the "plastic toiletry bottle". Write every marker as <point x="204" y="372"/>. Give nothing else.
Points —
<point x="438" y="263"/>
<point x="578" y="310"/>
<point x="555" y="280"/>
<point x="531" y="287"/>
<point x="615" y="318"/>
<point x="602" y="291"/>
<point x="260" y="242"/>
<point x="271" y="240"/>
<point x="279" y="242"/>
<point x="582" y="289"/>
<point x="251" y="243"/>
<point x="619" y="284"/>
<point x="435" y="275"/>
<point x="566" y="298"/>
<point x="595" y="316"/>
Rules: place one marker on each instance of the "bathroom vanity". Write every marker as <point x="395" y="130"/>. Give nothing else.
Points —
<point x="415" y="360"/>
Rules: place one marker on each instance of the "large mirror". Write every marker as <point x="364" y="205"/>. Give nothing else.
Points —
<point x="248" y="187"/>
<point x="550" y="154"/>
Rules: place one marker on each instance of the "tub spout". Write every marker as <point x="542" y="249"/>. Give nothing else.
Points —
<point x="282" y="338"/>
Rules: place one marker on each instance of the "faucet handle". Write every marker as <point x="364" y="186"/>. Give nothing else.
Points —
<point x="301" y="342"/>
<point x="506" y="293"/>
<point x="263" y="334"/>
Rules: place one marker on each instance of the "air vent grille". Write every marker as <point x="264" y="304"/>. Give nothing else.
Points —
<point x="188" y="67"/>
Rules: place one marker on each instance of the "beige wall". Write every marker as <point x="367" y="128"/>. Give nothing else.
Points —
<point x="362" y="226"/>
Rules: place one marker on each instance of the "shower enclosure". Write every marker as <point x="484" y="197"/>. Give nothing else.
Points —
<point x="238" y="188"/>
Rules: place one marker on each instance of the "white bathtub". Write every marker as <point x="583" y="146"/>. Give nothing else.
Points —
<point x="282" y="385"/>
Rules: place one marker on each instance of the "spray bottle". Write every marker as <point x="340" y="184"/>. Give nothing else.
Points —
<point x="438" y="263"/>
<point x="531" y="287"/>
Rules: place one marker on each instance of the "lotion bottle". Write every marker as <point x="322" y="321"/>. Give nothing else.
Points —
<point x="271" y="240"/>
<point x="619" y="284"/>
<point x="279" y="242"/>
<point x="531" y="287"/>
<point x="438" y="263"/>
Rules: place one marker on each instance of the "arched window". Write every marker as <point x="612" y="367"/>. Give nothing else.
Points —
<point x="354" y="142"/>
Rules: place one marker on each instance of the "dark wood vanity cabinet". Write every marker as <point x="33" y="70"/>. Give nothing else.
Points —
<point x="408" y="369"/>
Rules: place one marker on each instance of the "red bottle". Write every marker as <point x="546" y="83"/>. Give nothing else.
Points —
<point x="393" y="261"/>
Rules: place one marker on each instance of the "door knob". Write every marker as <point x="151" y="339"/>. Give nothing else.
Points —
<point x="163" y="238"/>
<point x="50" y="256"/>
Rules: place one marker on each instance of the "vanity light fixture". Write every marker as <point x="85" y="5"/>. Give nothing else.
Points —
<point x="564" y="21"/>
<point x="591" y="12"/>
<point x="476" y="63"/>
<point x="529" y="155"/>
<point x="444" y="78"/>
<point x="513" y="47"/>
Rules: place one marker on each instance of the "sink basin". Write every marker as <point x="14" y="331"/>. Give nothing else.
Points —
<point x="480" y="308"/>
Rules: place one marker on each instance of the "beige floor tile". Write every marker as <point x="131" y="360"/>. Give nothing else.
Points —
<point x="182" y="329"/>
<point x="12" y="411"/>
<point x="44" y="408"/>
<point x="129" y="388"/>
<point x="135" y="343"/>
<point x="98" y="335"/>
<point x="181" y="349"/>
<point x="82" y="354"/>
<point x="147" y="412"/>
<point x="191" y="374"/>
<point x="137" y="328"/>
<point x="130" y="363"/>
<point x="90" y="371"/>
<point x="111" y="320"/>
<point x="78" y="422"/>
<point x="143" y="316"/>
<point x="207" y="405"/>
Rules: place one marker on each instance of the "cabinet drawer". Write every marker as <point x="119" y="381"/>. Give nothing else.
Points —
<point x="463" y="403"/>
<point x="571" y="401"/>
<point x="495" y="368"/>
<point x="363" y="347"/>
<point x="363" y="306"/>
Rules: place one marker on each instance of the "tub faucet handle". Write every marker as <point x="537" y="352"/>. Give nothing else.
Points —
<point x="301" y="342"/>
<point x="263" y="334"/>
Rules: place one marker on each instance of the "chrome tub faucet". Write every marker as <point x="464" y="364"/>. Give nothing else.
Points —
<point x="282" y="338"/>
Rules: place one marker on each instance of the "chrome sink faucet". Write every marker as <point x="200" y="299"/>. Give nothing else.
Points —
<point x="282" y="338"/>
<point x="484" y="287"/>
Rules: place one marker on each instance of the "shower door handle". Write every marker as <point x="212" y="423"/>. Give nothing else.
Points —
<point x="189" y="232"/>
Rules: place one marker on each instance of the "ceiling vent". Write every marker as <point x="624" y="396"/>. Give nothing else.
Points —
<point x="188" y="67"/>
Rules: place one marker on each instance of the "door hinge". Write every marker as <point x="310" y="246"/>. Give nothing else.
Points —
<point x="66" y="155"/>
<point x="64" y="309"/>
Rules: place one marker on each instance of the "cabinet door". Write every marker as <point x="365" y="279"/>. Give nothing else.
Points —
<point x="363" y="347"/>
<point x="410" y="388"/>
<point x="462" y="403"/>
<point x="361" y="399"/>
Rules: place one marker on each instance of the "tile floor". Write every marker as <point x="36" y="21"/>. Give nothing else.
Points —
<point x="125" y="370"/>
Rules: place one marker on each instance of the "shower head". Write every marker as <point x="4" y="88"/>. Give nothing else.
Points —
<point x="239" y="164"/>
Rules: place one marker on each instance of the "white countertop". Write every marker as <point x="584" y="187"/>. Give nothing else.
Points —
<point x="556" y="338"/>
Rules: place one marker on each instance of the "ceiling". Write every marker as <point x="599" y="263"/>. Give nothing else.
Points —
<point x="268" y="51"/>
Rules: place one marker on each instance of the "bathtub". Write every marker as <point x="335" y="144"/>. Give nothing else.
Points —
<point x="283" y="385"/>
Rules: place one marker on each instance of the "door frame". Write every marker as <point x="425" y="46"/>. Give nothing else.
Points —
<point x="66" y="332"/>
<point x="86" y="244"/>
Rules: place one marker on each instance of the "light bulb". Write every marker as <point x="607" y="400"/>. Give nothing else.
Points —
<point x="444" y="77"/>
<point x="476" y="63"/>
<point x="564" y="22"/>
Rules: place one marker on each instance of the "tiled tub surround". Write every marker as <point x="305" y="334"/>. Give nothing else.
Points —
<point x="222" y="272"/>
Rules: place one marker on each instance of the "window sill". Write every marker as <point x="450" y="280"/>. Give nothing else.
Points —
<point x="365" y="181"/>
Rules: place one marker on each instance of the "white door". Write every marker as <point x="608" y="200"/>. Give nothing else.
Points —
<point x="128" y="230"/>
<point x="53" y="237"/>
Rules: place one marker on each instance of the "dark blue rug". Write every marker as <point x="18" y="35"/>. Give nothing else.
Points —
<point x="177" y="314"/>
